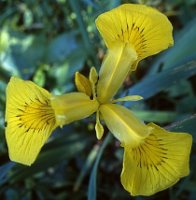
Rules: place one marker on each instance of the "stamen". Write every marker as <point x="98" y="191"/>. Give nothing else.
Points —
<point x="98" y="127"/>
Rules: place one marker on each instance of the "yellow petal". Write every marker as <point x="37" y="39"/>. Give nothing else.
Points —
<point x="98" y="127"/>
<point x="30" y="120"/>
<point x="114" y="70"/>
<point x="128" y="98"/>
<point x="123" y="124"/>
<point x="157" y="163"/>
<point x="83" y="84"/>
<point x="145" y="28"/>
<point x="72" y="107"/>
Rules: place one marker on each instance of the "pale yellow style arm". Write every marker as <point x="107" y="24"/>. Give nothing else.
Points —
<point x="123" y="124"/>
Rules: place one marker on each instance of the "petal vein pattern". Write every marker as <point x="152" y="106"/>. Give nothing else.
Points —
<point x="157" y="163"/>
<point x="30" y="120"/>
<point x="145" y="28"/>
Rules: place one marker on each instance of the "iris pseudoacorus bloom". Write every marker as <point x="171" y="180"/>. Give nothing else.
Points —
<point x="154" y="158"/>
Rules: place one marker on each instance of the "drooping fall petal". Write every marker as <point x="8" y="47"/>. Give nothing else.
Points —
<point x="146" y="29"/>
<point x="72" y="107"/>
<point x="157" y="163"/>
<point x="30" y="120"/>
<point x="123" y="124"/>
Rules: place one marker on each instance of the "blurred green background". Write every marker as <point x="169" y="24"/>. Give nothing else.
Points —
<point x="47" y="41"/>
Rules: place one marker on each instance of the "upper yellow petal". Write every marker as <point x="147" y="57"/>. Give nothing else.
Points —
<point x="157" y="163"/>
<point x="145" y="28"/>
<point x="123" y="124"/>
<point x="72" y="107"/>
<point x="30" y="120"/>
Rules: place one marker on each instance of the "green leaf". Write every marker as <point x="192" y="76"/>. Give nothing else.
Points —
<point x="75" y="6"/>
<point x="155" y="83"/>
<point x="61" y="47"/>
<point x="186" y="125"/>
<point x="76" y="61"/>
<point x="4" y="169"/>
<point x="65" y="70"/>
<point x="156" y="116"/>
<point x="22" y="53"/>
<point x="183" y="50"/>
<point x="183" y="89"/>
<point x="89" y="161"/>
<point x="92" y="182"/>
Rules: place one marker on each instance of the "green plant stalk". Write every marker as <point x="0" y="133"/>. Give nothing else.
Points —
<point x="93" y="177"/>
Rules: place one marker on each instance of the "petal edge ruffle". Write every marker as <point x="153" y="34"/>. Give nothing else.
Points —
<point x="157" y="163"/>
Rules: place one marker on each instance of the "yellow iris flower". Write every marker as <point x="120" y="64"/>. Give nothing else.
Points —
<point x="154" y="159"/>
<point x="31" y="117"/>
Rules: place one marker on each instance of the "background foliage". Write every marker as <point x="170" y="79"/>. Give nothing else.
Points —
<point x="47" y="41"/>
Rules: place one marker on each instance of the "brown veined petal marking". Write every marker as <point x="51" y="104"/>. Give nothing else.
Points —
<point x="30" y="120"/>
<point x="157" y="163"/>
